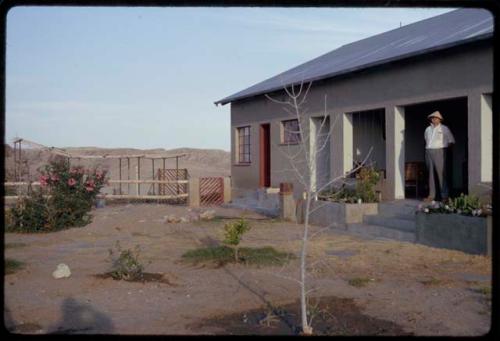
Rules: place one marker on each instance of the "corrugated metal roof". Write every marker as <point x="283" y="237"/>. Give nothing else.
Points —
<point x="439" y="32"/>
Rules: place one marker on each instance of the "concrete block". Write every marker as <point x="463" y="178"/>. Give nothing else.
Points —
<point x="354" y="212"/>
<point x="455" y="231"/>
<point x="391" y="222"/>
<point x="227" y="190"/>
<point x="194" y="192"/>
<point x="287" y="207"/>
<point x="377" y="231"/>
<point x="325" y="213"/>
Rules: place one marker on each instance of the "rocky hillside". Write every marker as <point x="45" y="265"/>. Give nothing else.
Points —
<point x="199" y="162"/>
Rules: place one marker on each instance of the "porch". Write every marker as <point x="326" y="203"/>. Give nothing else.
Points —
<point x="390" y="138"/>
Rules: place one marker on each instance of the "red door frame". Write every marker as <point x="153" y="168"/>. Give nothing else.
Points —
<point x="265" y="155"/>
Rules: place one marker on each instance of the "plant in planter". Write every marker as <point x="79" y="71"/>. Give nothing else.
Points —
<point x="364" y="191"/>
<point x="367" y="179"/>
<point x="461" y="224"/>
<point x="469" y="205"/>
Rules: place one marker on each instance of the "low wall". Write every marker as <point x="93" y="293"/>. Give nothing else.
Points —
<point x="326" y="213"/>
<point x="455" y="231"/>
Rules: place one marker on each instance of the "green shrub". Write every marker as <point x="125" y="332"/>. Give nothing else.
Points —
<point x="465" y="204"/>
<point x="125" y="263"/>
<point x="64" y="199"/>
<point x="233" y="233"/>
<point x="28" y="215"/>
<point x="366" y="180"/>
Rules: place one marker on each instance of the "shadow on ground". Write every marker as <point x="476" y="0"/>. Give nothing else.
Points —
<point x="330" y="316"/>
<point x="78" y="318"/>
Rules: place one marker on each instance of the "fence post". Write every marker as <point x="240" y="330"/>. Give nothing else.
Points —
<point x="194" y="192"/>
<point x="227" y="189"/>
<point x="287" y="203"/>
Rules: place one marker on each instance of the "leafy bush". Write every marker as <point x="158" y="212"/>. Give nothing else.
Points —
<point x="29" y="214"/>
<point x="233" y="233"/>
<point x="466" y="204"/>
<point x="366" y="179"/>
<point x="64" y="199"/>
<point x="125" y="263"/>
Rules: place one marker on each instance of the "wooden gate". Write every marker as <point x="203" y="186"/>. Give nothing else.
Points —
<point x="172" y="175"/>
<point x="211" y="191"/>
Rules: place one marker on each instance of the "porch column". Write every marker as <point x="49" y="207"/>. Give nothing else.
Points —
<point x="395" y="152"/>
<point x="480" y="146"/>
<point x="341" y="144"/>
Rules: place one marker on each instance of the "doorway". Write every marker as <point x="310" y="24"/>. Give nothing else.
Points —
<point x="265" y="155"/>
<point x="454" y="112"/>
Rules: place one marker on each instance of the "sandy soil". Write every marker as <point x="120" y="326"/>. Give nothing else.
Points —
<point x="423" y="290"/>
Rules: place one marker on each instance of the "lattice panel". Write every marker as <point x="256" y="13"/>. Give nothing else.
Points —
<point x="172" y="174"/>
<point x="211" y="191"/>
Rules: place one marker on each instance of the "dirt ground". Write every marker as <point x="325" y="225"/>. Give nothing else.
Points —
<point x="410" y="289"/>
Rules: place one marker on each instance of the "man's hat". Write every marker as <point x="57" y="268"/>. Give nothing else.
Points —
<point x="436" y="114"/>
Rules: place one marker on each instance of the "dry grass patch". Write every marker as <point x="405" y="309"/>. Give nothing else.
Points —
<point x="12" y="265"/>
<point x="221" y="255"/>
<point x="360" y="282"/>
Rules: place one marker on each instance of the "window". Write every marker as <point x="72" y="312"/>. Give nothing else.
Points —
<point x="291" y="132"/>
<point x="243" y="144"/>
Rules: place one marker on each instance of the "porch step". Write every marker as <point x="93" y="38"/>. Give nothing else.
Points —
<point x="377" y="231"/>
<point x="398" y="207"/>
<point x="270" y="212"/>
<point x="396" y="223"/>
<point x="261" y="201"/>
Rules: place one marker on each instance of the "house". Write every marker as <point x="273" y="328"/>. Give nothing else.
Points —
<point x="378" y="92"/>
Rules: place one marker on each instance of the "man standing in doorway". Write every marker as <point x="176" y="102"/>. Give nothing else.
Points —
<point x="438" y="138"/>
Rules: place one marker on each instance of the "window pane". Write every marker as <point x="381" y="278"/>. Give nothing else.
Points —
<point x="244" y="144"/>
<point x="291" y="132"/>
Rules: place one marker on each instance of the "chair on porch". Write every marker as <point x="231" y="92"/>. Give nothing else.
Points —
<point x="414" y="176"/>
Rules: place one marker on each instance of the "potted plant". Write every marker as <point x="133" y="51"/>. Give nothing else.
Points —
<point x="348" y="205"/>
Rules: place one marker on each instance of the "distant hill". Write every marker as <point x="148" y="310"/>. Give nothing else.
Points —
<point x="199" y="162"/>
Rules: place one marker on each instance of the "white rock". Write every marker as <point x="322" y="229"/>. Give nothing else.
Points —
<point x="61" y="271"/>
<point x="208" y="215"/>
<point x="184" y="220"/>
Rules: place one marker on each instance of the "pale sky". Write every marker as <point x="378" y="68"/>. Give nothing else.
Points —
<point x="148" y="77"/>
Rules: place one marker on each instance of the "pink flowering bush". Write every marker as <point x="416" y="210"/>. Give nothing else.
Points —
<point x="64" y="200"/>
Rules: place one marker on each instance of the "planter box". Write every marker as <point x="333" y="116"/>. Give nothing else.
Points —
<point x="455" y="231"/>
<point x="339" y="214"/>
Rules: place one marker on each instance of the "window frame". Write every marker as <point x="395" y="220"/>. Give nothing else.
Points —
<point x="286" y="133"/>
<point x="243" y="145"/>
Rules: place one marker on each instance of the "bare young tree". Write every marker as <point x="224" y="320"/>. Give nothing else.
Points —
<point x="303" y="166"/>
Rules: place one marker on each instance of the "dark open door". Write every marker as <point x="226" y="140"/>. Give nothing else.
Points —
<point x="265" y="155"/>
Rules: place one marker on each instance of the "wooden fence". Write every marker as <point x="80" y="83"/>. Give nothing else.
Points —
<point x="177" y="181"/>
<point x="211" y="191"/>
